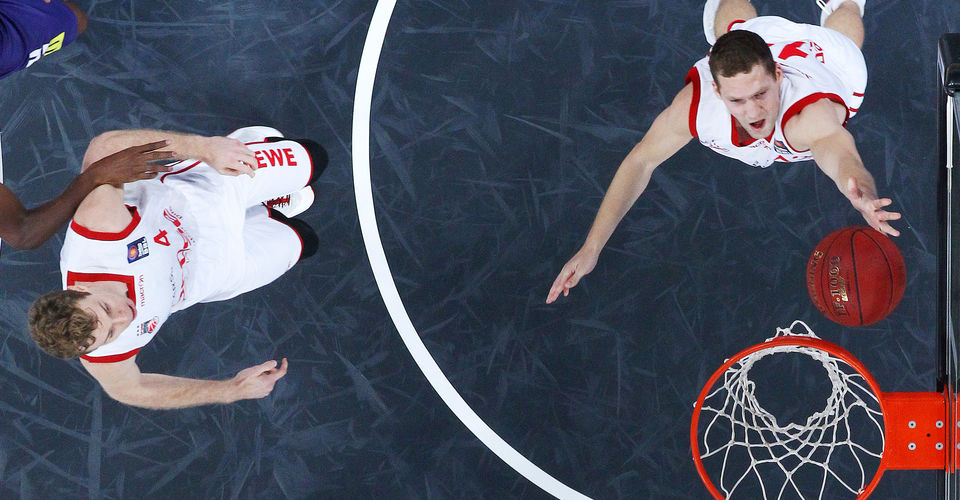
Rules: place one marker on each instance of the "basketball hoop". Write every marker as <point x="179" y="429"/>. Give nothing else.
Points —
<point x="840" y="451"/>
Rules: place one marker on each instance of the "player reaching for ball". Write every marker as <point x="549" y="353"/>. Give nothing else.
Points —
<point x="135" y="254"/>
<point x="770" y="90"/>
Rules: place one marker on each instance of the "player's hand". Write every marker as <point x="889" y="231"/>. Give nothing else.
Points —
<point x="258" y="381"/>
<point x="872" y="208"/>
<point x="131" y="164"/>
<point x="577" y="267"/>
<point x="230" y="156"/>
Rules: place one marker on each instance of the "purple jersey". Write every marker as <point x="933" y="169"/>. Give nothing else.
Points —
<point x="31" y="29"/>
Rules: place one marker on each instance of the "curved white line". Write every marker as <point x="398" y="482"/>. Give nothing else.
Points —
<point x="381" y="270"/>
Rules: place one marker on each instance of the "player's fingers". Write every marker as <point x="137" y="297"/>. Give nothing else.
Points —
<point x="267" y="365"/>
<point x="882" y="202"/>
<point x="552" y="295"/>
<point x="156" y="155"/>
<point x="143" y="148"/>
<point x="891" y="215"/>
<point x="245" y="168"/>
<point x="558" y="283"/>
<point x="147" y="175"/>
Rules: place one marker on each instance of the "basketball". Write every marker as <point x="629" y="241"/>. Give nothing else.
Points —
<point x="856" y="276"/>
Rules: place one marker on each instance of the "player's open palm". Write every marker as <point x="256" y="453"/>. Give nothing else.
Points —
<point x="872" y="208"/>
<point x="577" y="267"/>
<point x="258" y="381"/>
<point x="230" y="156"/>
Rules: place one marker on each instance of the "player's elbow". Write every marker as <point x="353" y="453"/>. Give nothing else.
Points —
<point x="100" y="147"/>
<point x="129" y="398"/>
<point x="25" y="242"/>
<point x="21" y="238"/>
<point x="129" y="393"/>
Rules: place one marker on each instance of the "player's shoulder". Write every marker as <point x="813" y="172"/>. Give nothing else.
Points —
<point x="815" y="119"/>
<point x="103" y="210"/>
<point x="677" y="114"/>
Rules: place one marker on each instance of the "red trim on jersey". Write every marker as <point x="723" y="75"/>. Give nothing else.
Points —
<point x="182" y="170"/>
<point x="74" y="277"/>
<point x="693" y="76"/>
<point x="730" y="26"/>
<point x="858" y="94"/>
<point x="113" y="358"/>
<point x="294" y="141"/>
<point x="853" y="110"/>
<point x="96" y="235"/>
<point x="806" y="101"/>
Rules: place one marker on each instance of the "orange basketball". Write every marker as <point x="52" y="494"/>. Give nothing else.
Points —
<point x="856" y="276"/>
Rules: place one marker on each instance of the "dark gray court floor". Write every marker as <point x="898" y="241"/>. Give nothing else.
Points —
<point x="495" y="131"/>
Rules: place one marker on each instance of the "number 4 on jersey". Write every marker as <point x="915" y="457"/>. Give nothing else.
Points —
<point x="161" y="238"/>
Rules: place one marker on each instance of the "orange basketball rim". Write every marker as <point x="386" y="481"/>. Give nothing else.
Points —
<point x="841" y="451"/>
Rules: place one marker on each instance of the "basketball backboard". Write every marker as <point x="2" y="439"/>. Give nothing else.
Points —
<point x="949" y="250"/>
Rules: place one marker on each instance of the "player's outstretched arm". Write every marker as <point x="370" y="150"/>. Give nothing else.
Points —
<point x="228" y="156"/>
<point x="668" y="133"/>
<point x="29" y="228"/>
<point x="820" y="127"/>
<point x="124" y="382"/>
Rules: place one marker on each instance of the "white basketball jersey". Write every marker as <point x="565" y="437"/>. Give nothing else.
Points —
<point x="152" y="256"/>
<point x="185" y="244"/>
<point x="806" y="79"/>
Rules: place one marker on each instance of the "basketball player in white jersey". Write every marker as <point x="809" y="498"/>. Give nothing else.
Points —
<point x="137" y="253"/>
<point x="770" y="90"/>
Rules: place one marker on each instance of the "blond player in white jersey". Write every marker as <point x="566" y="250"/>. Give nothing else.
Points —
<point x="770" y="90"/>
<point x="135" y="254"/>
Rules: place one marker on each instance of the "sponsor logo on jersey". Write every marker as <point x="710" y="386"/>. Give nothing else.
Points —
<point x="46" y="49"/>
<point x="148" y="327"/>
<point x="183" y="255"/>
<point x="275" y="157"/>
<point x="780" y="147"/>
<point x="137" y="250"/>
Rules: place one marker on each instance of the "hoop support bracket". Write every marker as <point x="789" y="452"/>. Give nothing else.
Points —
<point x="916" y="431"/>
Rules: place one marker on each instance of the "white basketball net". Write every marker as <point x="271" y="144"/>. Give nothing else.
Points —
<point x="754" y="453"/>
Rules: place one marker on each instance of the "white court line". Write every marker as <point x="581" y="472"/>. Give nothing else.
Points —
<point x="381" y="270"/>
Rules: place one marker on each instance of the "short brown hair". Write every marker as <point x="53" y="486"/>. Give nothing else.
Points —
<point x="738" y="51"/>
<point x="59" y="326"/>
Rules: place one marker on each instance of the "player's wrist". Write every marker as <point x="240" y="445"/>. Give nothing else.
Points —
<point x="592" y="248"/>
<point x="198" y="147"/>
<point x="88" y="180"/>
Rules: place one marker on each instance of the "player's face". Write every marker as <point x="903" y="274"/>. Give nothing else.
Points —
<point x="114" y="313"/>
<point x="752" y="98"/>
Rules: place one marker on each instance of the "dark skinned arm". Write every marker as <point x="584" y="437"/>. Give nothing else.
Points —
<point x="29" y="228"/>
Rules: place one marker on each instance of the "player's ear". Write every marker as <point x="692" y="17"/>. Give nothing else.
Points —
<point x="77" y="288"/>
<point x="716" y="89"/>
